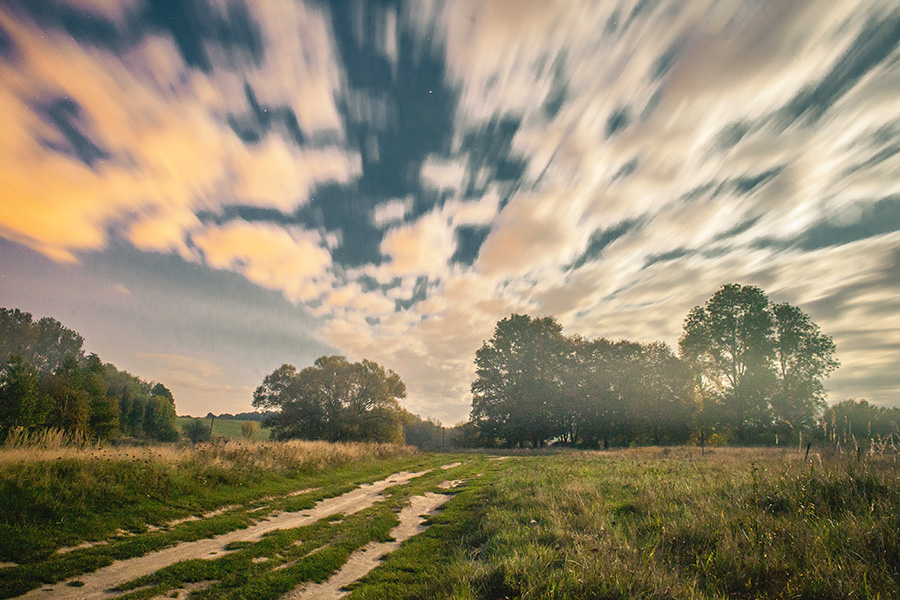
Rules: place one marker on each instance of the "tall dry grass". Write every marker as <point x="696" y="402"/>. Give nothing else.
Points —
<point x="55" y="444"/>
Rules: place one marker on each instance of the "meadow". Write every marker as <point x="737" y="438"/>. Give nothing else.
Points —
<point x="228" y="428"/>
<point x="635" y="523"/>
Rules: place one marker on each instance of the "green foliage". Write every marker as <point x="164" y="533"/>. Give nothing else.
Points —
<point x="249" y="429"/>
<point x="228" y="429"/>
<point x="759" y="365"/>
<point x="46" y="381"/>
<point x="197" y="431"/>
<point x="334" y="400"/>
<point x="22" y="403"/>
<point x="424" y="434"/>
<point x="536" y="385"/>
<point x="849" y="422"/>
<point x="517" y="396"/>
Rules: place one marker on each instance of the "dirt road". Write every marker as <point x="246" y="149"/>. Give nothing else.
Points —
<point x="96" y="585"/>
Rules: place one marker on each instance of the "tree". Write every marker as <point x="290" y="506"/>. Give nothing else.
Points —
<point x="333" y="400"/>
<point x="22" y="403"/>
<point x="761" y="363"/>
<point x="731" y="337"/>
<point x="803" y="357"/>
<point x="70" y="400"/>
<point x="103" y="414"/>
<point x="518" y="394"/>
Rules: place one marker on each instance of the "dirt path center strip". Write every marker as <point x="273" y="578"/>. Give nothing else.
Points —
<point x="412" y="523"/>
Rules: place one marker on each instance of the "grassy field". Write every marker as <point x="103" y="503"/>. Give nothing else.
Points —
<point x="638" y="523"/>
<point x="227" y="428"/>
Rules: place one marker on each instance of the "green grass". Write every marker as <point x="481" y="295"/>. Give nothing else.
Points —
<point x="644" y="523"/>
<point x="55" y="498"/>
<point x="659" y="524"/>
<point x="228" y="428"/>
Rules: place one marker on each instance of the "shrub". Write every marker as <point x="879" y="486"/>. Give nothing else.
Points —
<point x="197" y="431"/>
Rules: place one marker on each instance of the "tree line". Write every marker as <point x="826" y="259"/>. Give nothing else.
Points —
<point x="46" y="380"/>
<point x="747" y="371"/>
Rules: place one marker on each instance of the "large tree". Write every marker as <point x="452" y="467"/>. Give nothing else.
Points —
<point x="333" y="400"/>
<point x="803" y="357"/>
<point x="518" y="394"/>
<point x="763" y="364"/>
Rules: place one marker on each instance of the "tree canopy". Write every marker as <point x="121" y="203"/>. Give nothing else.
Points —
<point x="534" y="385"/>
<point x="760" y="364"/>
<point x="747" y="370"/>
<point x="334" y="400"/>
<point x="47" y="381"/>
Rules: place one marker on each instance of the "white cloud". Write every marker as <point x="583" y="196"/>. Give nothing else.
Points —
<point x="443" y="174"/>
<point x="286" y="259"/>
<point x="393" y="211"/>
<point x="423" y="247"/>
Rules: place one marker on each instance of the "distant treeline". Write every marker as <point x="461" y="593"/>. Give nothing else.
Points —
<point x="259" y="417"/>
<point x="46" y="380"/>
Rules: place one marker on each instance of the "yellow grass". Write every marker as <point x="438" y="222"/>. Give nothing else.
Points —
<point x="52" y="444"/>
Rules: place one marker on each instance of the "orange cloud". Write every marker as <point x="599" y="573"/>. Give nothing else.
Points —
<point x="288" y="260"/>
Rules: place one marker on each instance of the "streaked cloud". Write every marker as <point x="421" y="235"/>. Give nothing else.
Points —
<point x="292" y="261"/>
<point x="410" y="174"/>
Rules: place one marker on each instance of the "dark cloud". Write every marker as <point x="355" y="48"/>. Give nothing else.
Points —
<point x="877" y="41"/>
<point x="750" y="183"/>
<point x="84" y="26"/>
<point x="627" y="169"/>
<point x="468" y="242"/>
<point x="737" y="230"/>
<point x="617" y="121"/>
<point x="395" y="114"/>
<point x="666" y="256"/>
<point x="731" y="135"/>
<point x="603" y="238"/>
<point x="8" y="50"/>
<point x="667" y="59"/>
<point x="346" y="209"/>
<point x="885" y="144"/>
<point x="489" y="149"/>
<point x="880" y="217"/>
<point x="194" y="24"/>
<point x="555" y="100"/>
<point x="68" y="119"/>
<point x="419" y="293"/>
<point x="642" y="7"/>
<point x="262" y="119"/>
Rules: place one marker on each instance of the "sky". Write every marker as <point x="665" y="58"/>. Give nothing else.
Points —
<point x="207" y="189"/>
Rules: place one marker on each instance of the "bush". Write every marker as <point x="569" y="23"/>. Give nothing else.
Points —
<point x="249" y="428"/>
<point x="197" y="431"/>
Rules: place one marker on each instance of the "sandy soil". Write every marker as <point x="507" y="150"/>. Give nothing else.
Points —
<point x="412" y="520"/>
<point x="97" y="584"/>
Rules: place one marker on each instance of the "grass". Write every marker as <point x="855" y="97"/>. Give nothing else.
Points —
<point x="228" y="428"/>
<point x="639" y="523"/>
<point x="56" y="497"/>
<point x="660" y="524"/>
